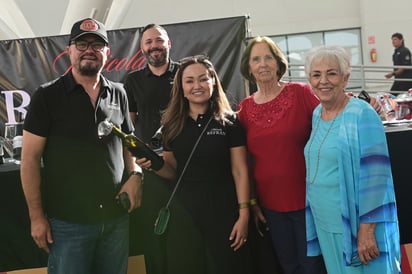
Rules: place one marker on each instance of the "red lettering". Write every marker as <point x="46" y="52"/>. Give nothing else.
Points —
<point x="136" y="61"/>
<point x="109" y="64"/>
<point x="57" y="59"/>
<point x="120" y="63"/>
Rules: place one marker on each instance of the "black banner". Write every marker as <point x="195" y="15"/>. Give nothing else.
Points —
<point x="27" y="63"/>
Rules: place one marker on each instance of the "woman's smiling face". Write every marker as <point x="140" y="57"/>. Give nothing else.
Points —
<point x="326" y="79"/>
<point x="197" y="84"/>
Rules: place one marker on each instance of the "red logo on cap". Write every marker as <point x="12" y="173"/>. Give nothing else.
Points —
<point x="89" y="25"/>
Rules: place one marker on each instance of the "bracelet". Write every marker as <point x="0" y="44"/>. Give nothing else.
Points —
<point x="243" y="205"/>
<point x="253" y="202"/>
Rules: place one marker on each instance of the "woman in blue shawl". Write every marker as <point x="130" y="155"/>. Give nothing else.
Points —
<point x="350" y="201"/>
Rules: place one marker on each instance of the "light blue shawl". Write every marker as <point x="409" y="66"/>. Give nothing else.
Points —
<point x="366" y="185"/>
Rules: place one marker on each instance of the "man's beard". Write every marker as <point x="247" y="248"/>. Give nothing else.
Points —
<point x="159" y="61"/>
<point x="89" y="69"/>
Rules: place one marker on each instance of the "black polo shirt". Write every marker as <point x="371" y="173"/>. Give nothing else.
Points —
<point x="81" y="171"/>
<point x="148" y="95"/>
<point x="211" y="159"/>
<point x="402" y="57"/>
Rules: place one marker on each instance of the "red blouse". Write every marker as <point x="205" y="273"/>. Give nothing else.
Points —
<point x="277" y="132"/>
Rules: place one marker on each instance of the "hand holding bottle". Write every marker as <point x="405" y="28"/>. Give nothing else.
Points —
<point x="136" y="146"/>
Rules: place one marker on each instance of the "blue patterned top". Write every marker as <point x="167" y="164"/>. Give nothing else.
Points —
<point x="366" y="185"/>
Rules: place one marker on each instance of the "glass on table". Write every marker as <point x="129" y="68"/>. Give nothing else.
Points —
<point x="13" y="141"/>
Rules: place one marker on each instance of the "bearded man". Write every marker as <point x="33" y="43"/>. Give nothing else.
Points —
<point x="148" y="91"/>
<point x="74" y="214"/>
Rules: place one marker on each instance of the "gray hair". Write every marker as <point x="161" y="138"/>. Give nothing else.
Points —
<point x="329" y="53"/>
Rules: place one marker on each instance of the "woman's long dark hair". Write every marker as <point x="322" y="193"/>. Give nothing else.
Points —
<point x="175" y="115"/>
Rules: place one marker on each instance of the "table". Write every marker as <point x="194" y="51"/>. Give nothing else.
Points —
<point x="18" y="251"/>
<point x="17" y="248"/>
<point x="400" y="149"/>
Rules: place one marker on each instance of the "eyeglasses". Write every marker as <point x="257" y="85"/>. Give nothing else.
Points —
<point x="199" y="57"/>
<point x="84" y="45"/>
<point x="364" y="96"/>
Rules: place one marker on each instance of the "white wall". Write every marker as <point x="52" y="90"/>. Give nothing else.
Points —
<point x="381" y="19"/>
<point x="378" y="18"/>
<point x="269" y="17"/>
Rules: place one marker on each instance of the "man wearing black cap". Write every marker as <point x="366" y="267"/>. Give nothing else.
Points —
<point x="400" y="57"/>
<point x="72" y="201"/>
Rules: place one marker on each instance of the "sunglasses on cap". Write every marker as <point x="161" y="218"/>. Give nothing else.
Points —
<point x="200" y="57"/>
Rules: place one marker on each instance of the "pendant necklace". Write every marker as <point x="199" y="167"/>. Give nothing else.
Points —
<point x="320" y="147"/>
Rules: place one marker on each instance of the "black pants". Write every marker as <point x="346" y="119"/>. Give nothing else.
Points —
<point x="288" y="233"/>
<point x="401" y="85"/>
<point x="156" y="192"/>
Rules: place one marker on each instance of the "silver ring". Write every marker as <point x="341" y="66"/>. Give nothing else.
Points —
<point x="244" y="240"/>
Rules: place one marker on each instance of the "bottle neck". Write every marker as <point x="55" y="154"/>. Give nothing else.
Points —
<point x="128" y="138"/>
<point x="118" y="132"/>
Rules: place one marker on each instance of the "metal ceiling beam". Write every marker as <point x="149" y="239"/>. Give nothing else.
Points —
<point x="13" y="24"/>
<point x="79" y="9"/>
<point x="116" y="13"/>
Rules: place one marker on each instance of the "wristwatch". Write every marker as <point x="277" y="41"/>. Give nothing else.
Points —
<point x="135" y="172"/>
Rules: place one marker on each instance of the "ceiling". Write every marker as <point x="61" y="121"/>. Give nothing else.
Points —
<point x="28" y="18"/>
<point x="40" y="18"/>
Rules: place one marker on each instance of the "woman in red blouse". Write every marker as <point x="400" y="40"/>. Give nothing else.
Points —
<point x="277" y="119"/>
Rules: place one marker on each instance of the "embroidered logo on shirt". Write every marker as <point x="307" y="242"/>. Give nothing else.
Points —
<point x="216" y="131"/>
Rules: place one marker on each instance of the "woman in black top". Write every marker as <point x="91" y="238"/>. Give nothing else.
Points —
<point x="208" y="229"/>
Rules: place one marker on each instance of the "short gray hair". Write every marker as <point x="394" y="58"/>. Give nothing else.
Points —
<point x="330" y="53"/>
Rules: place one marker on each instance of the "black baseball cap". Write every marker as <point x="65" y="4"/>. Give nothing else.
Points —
<point x="88" y="26"/>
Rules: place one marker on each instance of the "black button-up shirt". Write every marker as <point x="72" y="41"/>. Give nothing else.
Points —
<point x="82" y="172"/>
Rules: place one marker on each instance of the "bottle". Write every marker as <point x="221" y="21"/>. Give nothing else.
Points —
<point x="136" y="146"/>
<point x="18" y="139"/>
<point x="156" y="142"/>
<point x="388" y="111"/>
<point x="17" y="145"/>
<point x="156" y="139"/>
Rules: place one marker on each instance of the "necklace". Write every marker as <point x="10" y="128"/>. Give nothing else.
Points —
<point x="320" y="147"/>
